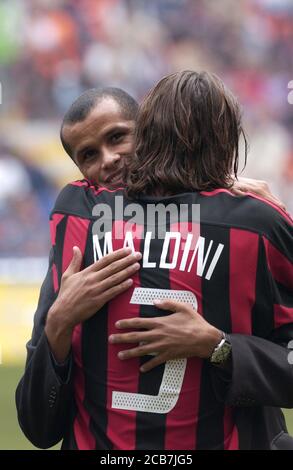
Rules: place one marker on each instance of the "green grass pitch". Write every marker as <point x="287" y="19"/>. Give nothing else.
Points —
<point x="11" y="437"/>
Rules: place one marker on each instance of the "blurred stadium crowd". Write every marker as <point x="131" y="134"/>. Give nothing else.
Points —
<point x="52" y="50"/>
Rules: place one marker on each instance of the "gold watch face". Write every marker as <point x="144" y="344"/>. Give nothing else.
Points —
<point x="222" y="354"/>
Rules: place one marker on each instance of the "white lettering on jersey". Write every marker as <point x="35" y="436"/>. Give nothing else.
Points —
<point x="128" y="241"/>
<point x="172" y="264"/>
<point x="205" y="260"/>
<point x="146" y="252"/>
<point x="108" y="246"/>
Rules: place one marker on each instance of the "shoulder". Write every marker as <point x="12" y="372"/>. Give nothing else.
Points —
<point x="250" y="212"/>
<point x="79" y="197"/>
<point x="70" y="197"/>
<point x="264" y="215"/>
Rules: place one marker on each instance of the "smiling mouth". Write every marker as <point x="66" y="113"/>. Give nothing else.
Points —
<point x="109" y="178"/>
<point x="113" y="177"/>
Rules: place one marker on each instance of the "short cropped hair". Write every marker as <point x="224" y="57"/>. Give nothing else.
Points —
<point x="85" y="103"/>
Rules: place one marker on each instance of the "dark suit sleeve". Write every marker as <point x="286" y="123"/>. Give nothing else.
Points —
<point x="261" y="370"/>
<point x="44" y="393"/>
<point x="259" y="373"/>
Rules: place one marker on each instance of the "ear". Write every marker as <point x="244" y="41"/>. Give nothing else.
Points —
<point x="65" y="144"/>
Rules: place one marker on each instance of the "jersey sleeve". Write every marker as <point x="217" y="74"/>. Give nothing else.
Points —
<point x="262" y="374"/>
<point x="279" y="257"/>
<point x="73" y="199"/>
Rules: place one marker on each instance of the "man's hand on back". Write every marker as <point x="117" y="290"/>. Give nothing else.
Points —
<point x="184" y="333"/>
<point x="83" y="293"/>
<point x="257" y="187"/>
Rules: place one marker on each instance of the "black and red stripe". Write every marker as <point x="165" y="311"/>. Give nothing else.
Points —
<point x="248" y="293"/>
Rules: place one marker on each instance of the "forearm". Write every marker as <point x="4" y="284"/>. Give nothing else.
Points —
<point x="59" y="333"/>
<point x="43" y="422"/>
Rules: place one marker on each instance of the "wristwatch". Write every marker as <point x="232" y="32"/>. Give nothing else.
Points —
<point x="221" y="352"/>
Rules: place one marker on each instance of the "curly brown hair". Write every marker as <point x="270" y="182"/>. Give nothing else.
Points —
<point x="187" y="137"/>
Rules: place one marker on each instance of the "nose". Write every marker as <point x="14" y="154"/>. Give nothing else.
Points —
<point x="109" y="159"/>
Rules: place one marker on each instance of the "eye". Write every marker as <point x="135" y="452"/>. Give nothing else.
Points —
<point x="117" y="138"/>
<point x="89" y="154"/>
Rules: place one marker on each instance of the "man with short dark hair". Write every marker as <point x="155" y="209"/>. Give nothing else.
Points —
<point x="109" y="108"/>
<point x="97" y="132"/>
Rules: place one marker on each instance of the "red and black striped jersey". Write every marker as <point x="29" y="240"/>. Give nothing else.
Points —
<point x="234" y="265"/>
